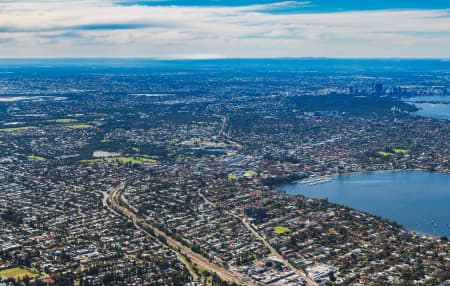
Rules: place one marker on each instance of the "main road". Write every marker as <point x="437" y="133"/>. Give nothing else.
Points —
<point x="273" y="251"/>
<point x="117" y="204"/>
<point x="222" y="132"/>
<point x="114" y="201"/>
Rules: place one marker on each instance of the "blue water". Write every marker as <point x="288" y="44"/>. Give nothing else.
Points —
<point x="420" y="201"/>
<point x="432" y="106"/>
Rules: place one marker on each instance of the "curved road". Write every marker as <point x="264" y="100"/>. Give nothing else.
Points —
<point x="112" y="200"/>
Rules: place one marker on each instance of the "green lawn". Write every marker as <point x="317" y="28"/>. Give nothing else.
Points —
<point x="397" y="151"/>
<point x="385" y="154"/>
<point x="16" y="128"/>
<point x="17" y="273"/>
<point x="63" y="120"/>
<point x="281" y="229"/>
<point x="79" y="126"/>
<point x="37" y="158"/>
<point x="134" y="160"/>
<point x="401" y="151"/>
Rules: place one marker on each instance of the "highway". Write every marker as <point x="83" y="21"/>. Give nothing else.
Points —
<point x="113" y="199"/>
<point x="116" y="203"/>
<point x="224" y="126"/>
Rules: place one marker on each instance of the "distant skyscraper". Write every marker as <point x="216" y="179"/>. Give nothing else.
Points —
<point x="379" y="89"/>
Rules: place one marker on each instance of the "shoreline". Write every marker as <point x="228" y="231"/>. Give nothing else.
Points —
<point x="329" y="177"/>
<point x="419" y="106"/>
<point x="324" y="177"/>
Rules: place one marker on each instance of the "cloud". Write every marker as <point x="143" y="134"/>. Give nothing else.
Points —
<point x="118" y="26"/>
<point x="271" y="7"/>
<point x="107" y="28"/>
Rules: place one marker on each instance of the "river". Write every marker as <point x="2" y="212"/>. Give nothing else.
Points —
<point x="420" y="201"/>
<point x="437" y="106"/>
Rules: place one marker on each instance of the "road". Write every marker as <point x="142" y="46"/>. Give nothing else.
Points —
<point x="223" y="127"/>
<point x="107" y="203"/>
<point x="273" y="251"/>
<point x="112" y="201"/>
<point x="113" y="198"/>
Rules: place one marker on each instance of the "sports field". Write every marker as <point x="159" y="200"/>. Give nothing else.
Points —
<point x="17" y="273"/>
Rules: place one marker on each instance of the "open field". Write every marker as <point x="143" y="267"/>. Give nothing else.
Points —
<point x="37" y="158"/>
<point x="17" y="273"/>
<point x="231" y="177"/>
<point x="281" y="229"/>
<point x="401" y="151"/>
<point x="385" y="154"/>
<point x="12" y="129"/>
<point x="396" y="151"/>
<point x="63" y="120"/>
<point x="134" y="160"/>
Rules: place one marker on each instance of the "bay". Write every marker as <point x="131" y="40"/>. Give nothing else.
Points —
<point x="431" y="106"/>
<point x="420" y="201"/>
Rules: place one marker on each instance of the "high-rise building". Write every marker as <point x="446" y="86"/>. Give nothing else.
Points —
<point x="378" y="89"/>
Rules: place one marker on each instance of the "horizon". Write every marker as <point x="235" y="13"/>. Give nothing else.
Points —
<point x="346" y="65"/>
<point x="218" y="59"/>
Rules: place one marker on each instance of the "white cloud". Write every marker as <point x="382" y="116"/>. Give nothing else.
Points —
<point x="104" y="28"/>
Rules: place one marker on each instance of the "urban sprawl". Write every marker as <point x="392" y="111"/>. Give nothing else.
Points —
<point x="155" y="177"/>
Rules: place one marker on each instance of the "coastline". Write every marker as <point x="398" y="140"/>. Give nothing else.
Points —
<point x="330" y="177"/>
<point x="363" y="173"/>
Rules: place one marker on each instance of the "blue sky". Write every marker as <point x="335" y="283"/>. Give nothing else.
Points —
<point x="314" y="5"/>
<point x="225" y="28"/>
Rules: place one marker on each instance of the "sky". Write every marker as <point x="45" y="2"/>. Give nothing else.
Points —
<point x="198" y="29"/>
